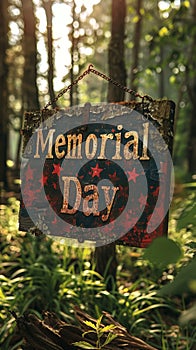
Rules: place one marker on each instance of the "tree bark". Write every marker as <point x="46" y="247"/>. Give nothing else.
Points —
<point x="105" y="257"/>
<point x="191" y="85"/>
<point x="48" y="10"/>
<point x="4" y="92"/>
<point x="136" y="47"/>
<point x="29" y="87"/>
<point x="75" y="56"/>
<point x="72" y="54"/>
<point x="116" y="60"/>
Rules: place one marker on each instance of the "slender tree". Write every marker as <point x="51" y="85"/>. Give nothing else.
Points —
<point x="191" y="85"/>
<point x="116" y="60"/>
<point x="105" y="257"/>
<point x="74" y="100"/>
<point x="48" y="10"/>
<point x="136" y="45"/>
<point x="30" y="89"/>
<point x="4" y="92"/>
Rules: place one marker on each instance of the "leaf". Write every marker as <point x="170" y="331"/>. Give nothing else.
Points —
<point x="99" y="322"/>
<point x="136" y="19"/>
<point x="162" y="252"/>
<point x="84" y="345"/>
<point x="90" y="324"/>
<point x="109" y="339"/>
<point x="107" y="328"/>
<point x="172" y="79"/>
<point x="186" y="3"/>
<point x="2" y="296"/>
<point x="183" y="281"/>
<point x="192" y="245"/>
<point x="188" y="315"/>
<point x="189" y="184"/>
<point x="188" y="217"/>
<point x="163" y="31"/>
<point x="87" y="332"/>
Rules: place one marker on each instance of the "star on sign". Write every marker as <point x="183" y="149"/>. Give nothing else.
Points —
<point x="132" y="175"/>
<point x="113" y="176"/>
<point x="43" y="180"/>
<point x="96" y="171"/>
<point x="142" y="200"/>
<point x="57" y="169"/>
<point x="29" y="173"/>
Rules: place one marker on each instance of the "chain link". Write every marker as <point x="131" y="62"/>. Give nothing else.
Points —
<point x="89" y="70"/>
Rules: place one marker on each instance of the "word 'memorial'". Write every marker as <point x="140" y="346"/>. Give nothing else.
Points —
<point x="75" y="146"/>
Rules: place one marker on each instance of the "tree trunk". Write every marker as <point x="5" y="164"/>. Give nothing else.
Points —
<point x="4" y="92"/>
<point x="75" y="54"/>
<point x="29" y="87"/>
<point x="72" y="54"/>
<point x="116" y="50"/>
<point x="191" y="82"/>
<point x="48" y="10"/>
<point x="105" y="257"/>
<point x="136" y="47"/>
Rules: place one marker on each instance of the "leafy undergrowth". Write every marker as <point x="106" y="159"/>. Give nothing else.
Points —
<point x="156" y="287"/>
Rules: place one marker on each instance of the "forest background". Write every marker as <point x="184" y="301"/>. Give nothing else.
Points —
<point x="149" y="47"/>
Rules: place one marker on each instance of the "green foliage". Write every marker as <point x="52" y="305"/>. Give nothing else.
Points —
<point x="39" y="273"/>
<point x="98" y="331"/>
<point x="162" y="252"/>
<point x="184" y="282"/>
<point x="188" y="215"/>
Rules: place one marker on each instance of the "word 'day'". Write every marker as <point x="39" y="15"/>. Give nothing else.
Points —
<point x="93" y="198"/>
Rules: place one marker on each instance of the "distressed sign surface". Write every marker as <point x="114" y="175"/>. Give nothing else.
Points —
<point x="98" y="173"/>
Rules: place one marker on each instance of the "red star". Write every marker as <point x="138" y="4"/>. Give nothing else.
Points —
<point x="113" y="176"/>
<point x="57" y="169"/>
<point x="108" y="162"/>
<point x="96" y="171"/>
<point x="132" y="175"/>
<point x="155" y="193"/>
<point x="80" y="176"/>
<point x="29" y="196"/>
<point x="129" y="221"/>
<point x="142" y="200"/>
<point x="54" y="185"/>
<point x="29" y="173"/>
<point x="54" y="221"/>
<point x="43" y="180"/>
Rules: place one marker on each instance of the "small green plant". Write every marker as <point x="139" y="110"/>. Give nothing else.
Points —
<point x="98" y="330"/>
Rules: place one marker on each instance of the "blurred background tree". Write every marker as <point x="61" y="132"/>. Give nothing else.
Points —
<point x="4" y="92"/>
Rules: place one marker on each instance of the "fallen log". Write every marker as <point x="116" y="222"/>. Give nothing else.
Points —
<point x="51" y="333"/>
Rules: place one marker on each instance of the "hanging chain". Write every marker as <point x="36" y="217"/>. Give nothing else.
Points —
<point x="89" y="70"/>
<point x="116" y="83"/>
<point x="62" y="92"/>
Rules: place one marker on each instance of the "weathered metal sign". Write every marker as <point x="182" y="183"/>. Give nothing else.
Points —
<point x="98" y="173"/>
